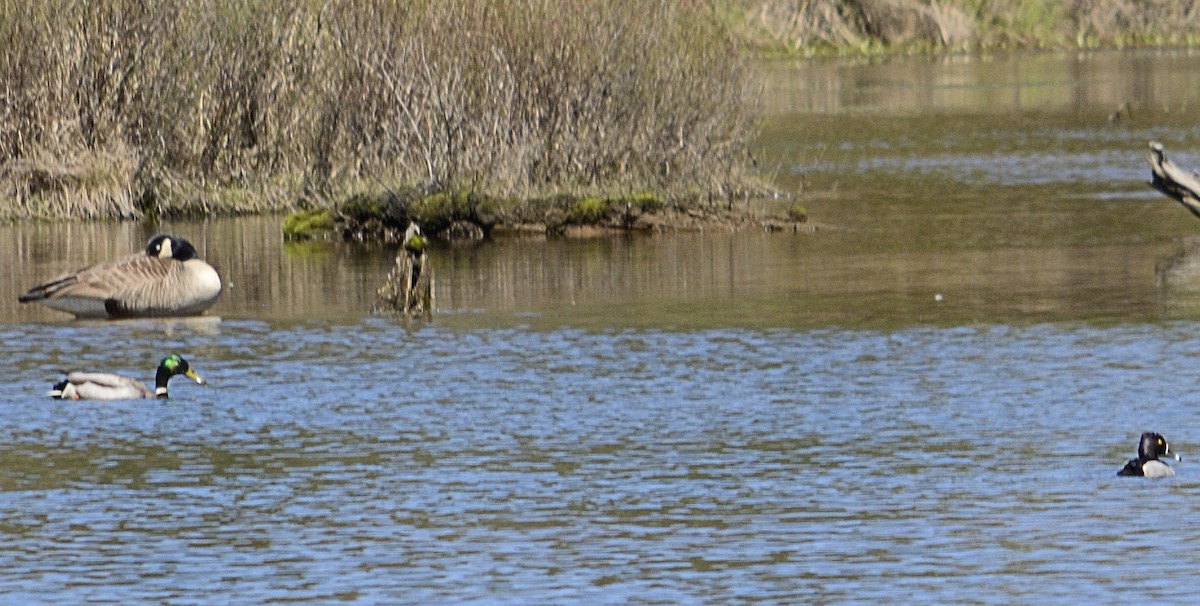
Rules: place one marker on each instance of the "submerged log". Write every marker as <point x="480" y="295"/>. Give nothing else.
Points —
<point x="1172" y="181"/>
<point x="409" y="286"/>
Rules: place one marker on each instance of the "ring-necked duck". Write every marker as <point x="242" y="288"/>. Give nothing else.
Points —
<point x="1152" y="446"/>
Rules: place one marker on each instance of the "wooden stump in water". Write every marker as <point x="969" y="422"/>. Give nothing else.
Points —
<point x="409" y="286"/>
<point x="1172" y="181"/>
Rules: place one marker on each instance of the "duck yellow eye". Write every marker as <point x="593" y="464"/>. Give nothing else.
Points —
<point x="1160" y="441"/>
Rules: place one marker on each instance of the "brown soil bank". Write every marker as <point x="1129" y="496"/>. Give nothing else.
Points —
<point x="128" y="109"/>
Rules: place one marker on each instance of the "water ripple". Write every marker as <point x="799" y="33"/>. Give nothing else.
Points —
<point x="372" y="463"/>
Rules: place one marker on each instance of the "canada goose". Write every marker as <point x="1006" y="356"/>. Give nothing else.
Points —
<point x="107" y="386"/>
<point x="169" y="279"/>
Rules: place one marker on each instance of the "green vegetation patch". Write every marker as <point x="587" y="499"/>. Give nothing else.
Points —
<point x="307" y="224"/>
<point x="607" y="211"/>
<point x="589" y="210"/>
<point x="798" y="213"/>
<point x="436" y="212"/>
<point x="385" y="215"/>
<point x="622" y="212"/>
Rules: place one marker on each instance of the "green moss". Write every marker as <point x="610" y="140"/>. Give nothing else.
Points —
<point x="386" y="216"/>
<point x="362" y="207"/>
<point x="644" y="202"/>
<point x="587" y="211"/>
<point x="305" y="224"/>
<point x="798" y="213"/>
<point x="593" y="210"/>
<point x="415" y="244"/>
<point x="437" y="210"/>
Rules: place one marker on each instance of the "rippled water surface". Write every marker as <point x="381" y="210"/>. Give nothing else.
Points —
<point x="927" y="399"/>
<point x="367" y="462"/>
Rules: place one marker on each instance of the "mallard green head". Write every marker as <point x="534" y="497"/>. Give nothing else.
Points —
<point x="170" y="366"/>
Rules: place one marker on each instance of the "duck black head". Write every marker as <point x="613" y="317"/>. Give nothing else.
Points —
<point x="1153" y="446"/>
<point x="167" y="246"/>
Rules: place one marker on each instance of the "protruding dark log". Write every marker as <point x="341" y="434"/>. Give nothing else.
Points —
<point x="409" y="287"/>
<point x="1173" y="181"/>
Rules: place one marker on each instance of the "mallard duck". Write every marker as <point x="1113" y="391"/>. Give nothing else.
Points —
<point x="107" y="386"/>
<point x="168" y="279"/>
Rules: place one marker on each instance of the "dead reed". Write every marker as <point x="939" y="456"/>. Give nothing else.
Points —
<point x="129" y="108"/>
<point x="857" y="26"/>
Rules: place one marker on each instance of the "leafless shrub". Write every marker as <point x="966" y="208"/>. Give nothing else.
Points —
<point x="243" y="105"/>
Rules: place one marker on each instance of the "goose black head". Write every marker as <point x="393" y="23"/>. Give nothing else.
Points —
<point x="167" y="246"/>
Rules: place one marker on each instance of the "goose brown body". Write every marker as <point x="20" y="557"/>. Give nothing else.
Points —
<point x="167" y="280"/>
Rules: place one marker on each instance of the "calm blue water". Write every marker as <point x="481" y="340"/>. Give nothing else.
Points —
<point x="925" y="401"/>
<point x="366" y="462"/>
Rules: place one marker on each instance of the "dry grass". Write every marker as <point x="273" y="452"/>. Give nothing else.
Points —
<point x="126" y="108"/>
<point x="1134" y="22"/>
<point x="811" y="26"/>
<point x="836" y="26"/>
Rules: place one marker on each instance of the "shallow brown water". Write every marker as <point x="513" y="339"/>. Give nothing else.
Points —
<point x="999" y="183"/>
<point x="1002" y="182"/>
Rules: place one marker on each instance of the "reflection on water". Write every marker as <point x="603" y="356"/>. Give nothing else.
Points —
<point x="1178" y="279"/>
<point x="925" y="400"/>
<point x="263" y="276"/>
<point x="856" y="276"/>
<point x="1098" y="82"/>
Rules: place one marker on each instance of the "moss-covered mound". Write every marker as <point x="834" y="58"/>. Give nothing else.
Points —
<point x="383" y="217"/>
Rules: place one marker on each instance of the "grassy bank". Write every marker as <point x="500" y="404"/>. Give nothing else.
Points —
<point x="127" y="109"/>
<point x="821" y="27"/>
<point x="130" y="109"/>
